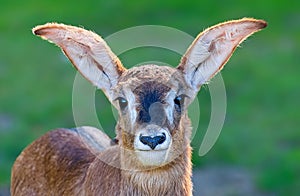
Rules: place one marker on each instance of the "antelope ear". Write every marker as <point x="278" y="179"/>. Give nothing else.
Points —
<point x="213" y="47"/>
<point x="87" y="51"/>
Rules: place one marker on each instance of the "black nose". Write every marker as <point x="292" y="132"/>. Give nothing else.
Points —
<point x="153" y="141"/>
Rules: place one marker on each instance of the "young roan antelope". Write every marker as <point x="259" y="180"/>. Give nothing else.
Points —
<point x="152" y="155"/>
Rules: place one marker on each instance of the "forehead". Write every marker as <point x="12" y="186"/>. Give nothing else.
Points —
<point x="151" y="91"/>
<point x="136" y="77"/>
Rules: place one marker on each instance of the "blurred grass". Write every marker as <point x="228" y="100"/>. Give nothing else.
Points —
<point x="261" y="130"/>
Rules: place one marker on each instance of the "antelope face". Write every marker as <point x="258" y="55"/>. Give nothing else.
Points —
<point x="151" y="99"/>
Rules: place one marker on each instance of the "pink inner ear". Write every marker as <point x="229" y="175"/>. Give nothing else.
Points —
<point x="212" y="49"/>
<point x="87" y="51"/>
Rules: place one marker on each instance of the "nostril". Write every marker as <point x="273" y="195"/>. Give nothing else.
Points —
<point x="144" y="139"/>
<point x="153" y="141"/>
<point x="161" y="138"/>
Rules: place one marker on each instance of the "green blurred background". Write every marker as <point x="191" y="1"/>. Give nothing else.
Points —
<point x="262" y="79"/>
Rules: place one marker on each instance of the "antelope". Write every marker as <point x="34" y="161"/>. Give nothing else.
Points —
<point x="151" y="154"/>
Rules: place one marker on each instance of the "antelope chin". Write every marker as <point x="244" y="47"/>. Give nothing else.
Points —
<point x="152" y="157"/>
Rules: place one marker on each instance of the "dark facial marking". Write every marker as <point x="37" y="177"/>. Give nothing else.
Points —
<point x="147" y="94"/>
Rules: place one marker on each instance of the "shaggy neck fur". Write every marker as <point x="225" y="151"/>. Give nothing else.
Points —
<point x="171" y="179"/>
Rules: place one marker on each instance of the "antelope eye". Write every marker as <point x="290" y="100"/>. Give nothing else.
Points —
<point x="179" y="101"/>
<point x="122" y="102"/>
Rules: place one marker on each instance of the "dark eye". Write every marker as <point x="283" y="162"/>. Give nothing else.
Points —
<point x="122" y="102"/>
<point x="179" y="101"/>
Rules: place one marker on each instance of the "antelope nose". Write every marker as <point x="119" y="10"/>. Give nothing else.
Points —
<point x="153" y="141"/>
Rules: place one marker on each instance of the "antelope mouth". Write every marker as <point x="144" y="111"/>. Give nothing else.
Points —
<point x="152" y="157"/>
<point x="159" y="150"/>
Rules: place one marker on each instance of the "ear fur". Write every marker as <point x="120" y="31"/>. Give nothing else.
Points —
<point x="212" y="48"/>
<point x="87" y="51"/>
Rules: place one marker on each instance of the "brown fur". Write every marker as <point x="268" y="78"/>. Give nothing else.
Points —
<point x="44" y="164"/>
